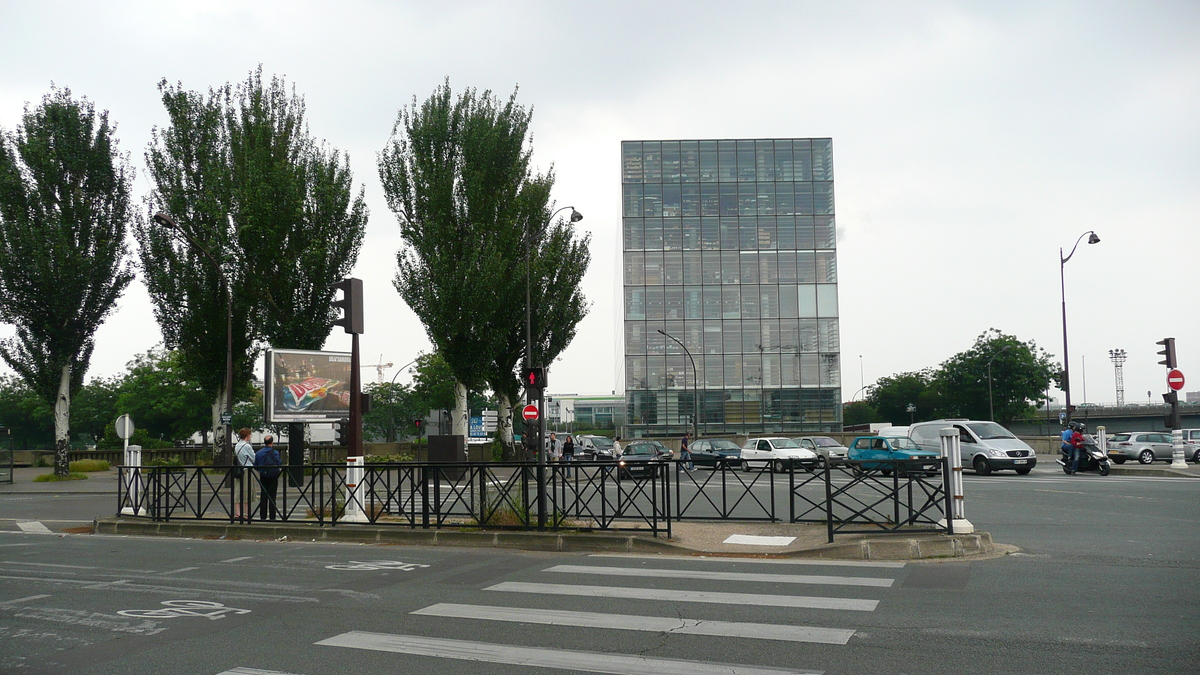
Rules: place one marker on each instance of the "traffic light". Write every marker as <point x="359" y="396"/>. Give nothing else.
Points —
<point x="1168" y="352"/>
<point x="1171" y="420"/>
<point x="418" y="424"/>
<point x="341" y="431"/>
<point x="533" y="378"/>
<point x="364" y="402"/>
<point x="351" y="305"/>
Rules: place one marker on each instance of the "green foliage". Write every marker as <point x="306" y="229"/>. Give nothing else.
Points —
<point x="890" y="397"/>
<point x="89" y="465"/>
<point x="1021" y="372"/>
<point x="433" y="384"/>
<point x="172" y="461"/>
<point x="52" y="477"/>
<point x="388" y="459"/>
<point x="27" y="415"/>
<point x="95" y="407"/>
<point x="141" y="437"/>
<point x="393" y="409"/>
<point x="860" y="412"/>
<point x="162" y="400"/>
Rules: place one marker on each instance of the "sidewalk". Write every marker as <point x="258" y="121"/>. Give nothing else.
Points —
<point x="99" y="482"/>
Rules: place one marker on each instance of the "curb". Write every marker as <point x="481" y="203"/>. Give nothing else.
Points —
<point x="1150" y="471"/>
<point x="888" y="548"/>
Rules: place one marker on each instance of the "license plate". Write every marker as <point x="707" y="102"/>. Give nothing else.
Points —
<point x="1019" y="461"/>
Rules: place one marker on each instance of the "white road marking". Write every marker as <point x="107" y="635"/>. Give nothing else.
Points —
<point x="129" y="585"/>
<point x="653" y="624"/>
<point x="714" y="597"/>
<point x="724" y="576"/>
<point x="69" y="567"/>
<point x="755" y="561"/>
<point x="33" y="527"/>
<point x="757" y="540"/>
<point x="19" y="600"/>
<point x="181" y="569"/>
<point x="233" y="560"/>
<point x="242" y="670"/>
<point x="537" y="657"/>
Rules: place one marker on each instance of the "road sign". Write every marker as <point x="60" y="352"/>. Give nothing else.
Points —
<point x="530" y="412"/>
<point x="1175" y="379"/>
<point x="226" y="417"/>
<point x="124" y="427"/>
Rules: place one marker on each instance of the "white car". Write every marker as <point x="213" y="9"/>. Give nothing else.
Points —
<point x="776" y="453"/>
<point x="826" y="448"/>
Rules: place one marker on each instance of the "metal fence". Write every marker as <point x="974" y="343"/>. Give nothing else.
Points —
<point x="884" y="496"/>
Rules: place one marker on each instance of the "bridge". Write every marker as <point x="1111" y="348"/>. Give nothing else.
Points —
<point x="1127" y="417"/>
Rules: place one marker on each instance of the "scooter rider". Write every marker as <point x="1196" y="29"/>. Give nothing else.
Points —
<point x="1077" y="441"/>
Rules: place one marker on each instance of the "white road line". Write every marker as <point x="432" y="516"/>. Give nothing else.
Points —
<point x="724" y="576"/>
<point x="233" y="560"/>
<point x="29" y="597"/>
<point x="653" y="624"/>
<point x="755" y="561"/>
<point x="537" y="657"/>
<point x="34" y="527"/>
<point x="714" y="597"/>
<point x="69" y="567"/>
<point x="242" y="670"/>
<point x="181" y="569"/>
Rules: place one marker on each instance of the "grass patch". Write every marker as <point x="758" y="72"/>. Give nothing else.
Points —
<point x="50" y="478"/>
<point x="89" y="465"/>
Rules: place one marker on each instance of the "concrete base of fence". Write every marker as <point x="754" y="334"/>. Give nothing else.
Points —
<point x="851" y="547"/>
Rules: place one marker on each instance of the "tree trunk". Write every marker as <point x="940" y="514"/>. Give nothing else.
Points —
<point x="458" y="418"/>
<point x="221" y="454"/>
<point x="62" y="424"/>
<point x="504" y="427"/>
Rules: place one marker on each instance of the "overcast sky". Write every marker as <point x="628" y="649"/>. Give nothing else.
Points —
<point x="971" y="141"/>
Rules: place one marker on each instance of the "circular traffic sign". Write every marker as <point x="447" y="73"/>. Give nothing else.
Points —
<point x="1175" y="379"/>
<point x="124" y="427"/>
<point x="530" y="412"/>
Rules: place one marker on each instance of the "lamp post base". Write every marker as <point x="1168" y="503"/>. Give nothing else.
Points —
<point x="961" y="525"/>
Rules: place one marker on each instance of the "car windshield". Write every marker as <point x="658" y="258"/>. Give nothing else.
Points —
<point x="640" y="449"/>
<point x="825" y="442"/>
<point x="1119" y="438"/>
<point x="989" y="430"/>
<point x="904" y="444"/>
<point x="723" y="445"/>
<point x="784" y="443"/>
<point x="602" y="442"/>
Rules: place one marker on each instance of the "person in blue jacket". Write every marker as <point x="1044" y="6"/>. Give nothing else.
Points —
<point x="268" y="461"/>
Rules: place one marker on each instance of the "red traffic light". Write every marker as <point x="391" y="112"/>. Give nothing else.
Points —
<point x="533" y="378"/>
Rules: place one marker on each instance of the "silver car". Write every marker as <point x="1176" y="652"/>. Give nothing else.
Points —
<point x="1144" y="446"/>
<point x="826" y="448"/>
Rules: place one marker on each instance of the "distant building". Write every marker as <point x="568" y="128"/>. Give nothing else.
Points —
<point x="730" y="248"/>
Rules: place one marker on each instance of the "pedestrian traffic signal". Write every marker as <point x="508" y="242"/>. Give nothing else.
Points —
<point x="1167" y="352"/>
<point x="341" y="431"/>
<point x="533" y="378"/>
<point x="351" y="305"/>
<point x="364" y="402"/>
<point x="418" y="424"/>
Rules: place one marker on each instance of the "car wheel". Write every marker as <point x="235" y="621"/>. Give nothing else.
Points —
<point x="822" y="462"/>
<point x="1121" y="460"/>
<point x="982" y="467"/>
<point x="746" y="465"/>
<point x="1146" y="457"/>
<point x="1103" y="469"/>
<point x="1023" y="472"/>
<point x="886" y="472"/>
<point x="1196" y="457"/>
<point x="779" y="466"/>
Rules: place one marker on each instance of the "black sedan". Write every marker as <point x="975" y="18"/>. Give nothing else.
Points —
<point x="715" y="451"/>
<point x="640" y="459"/>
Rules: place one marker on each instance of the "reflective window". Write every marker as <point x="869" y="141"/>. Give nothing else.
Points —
<point x="766" y="199"/>
<point x="733" y="371"/>
<point x="785" y="199"/>
<point x="732" y="332"/>
<point x="766" y="233"/>
<point x="731" y="302"/>
<point x="691" y="234"/>
<point x="830" y="372"/>
<point x="655" y="342"/>
<point x="806" y="267"/>
<point x="635" y="372"/>
<point x="676" y="371"/>
<point x="806" y="294"/>
<point x="823" y="198"/>
<point x="768" y="268"/>
<point x="635" y="303"/>
<point x="674" y="304"/>
<point x="635" y="269"/>
<point x="691" y="200"/>
<point x="809" y="341"/>
<point x="654" y="234"/>
<point x="672" y="233"/>
<point x="670" y="161"/>
<point x="713" y="372"/>
<point x="635" y="337"/>
<point x="656" y="367"/>
<point x="729" y="234"/>
<point x="764" y="160"/>
<point x="693" y="303"/>
<point x="825" y="233"/>
<point x="769" y="302"/>
<point x="730" y="267"/>
<point x="654" y="268"/>
<point x="672" y="206"/>
<point x="710" y="272"/>
<point x="710" y="199"/>
<point x="635" y="234"/>
<point x="745" y="159"/>
<point x="752" y="370"/>
<point x="652" y="161"/>
<point x="822" y="159"/>
<point x="729" y="198"/>
<point x="804" y="199"/>
<point x="727" y="154"/>
<point x="748" y="199"/>
<point x="712" y="337"/>
<point x="693" y="339"/>
<point x="805" y="235"/>
<point x="771" y="373"/>
<point x="691" y="268"/>
<point x="826" y="263"/>
<point x="785" y="227"/>
<point x="828" y="329"/>
<point x="802" y="160"/>
<point x="750" y="300"/>
<point x="712" y="302"/>
<point x="689" y="162"/>
<point x="783" y="161"/>
<point x="632" y="198"/>
<point x="810" y="374"/>
<point x="654" y="302"/>
<point x="672" y="268"/>
<point x="789" y="369"/>
<point x="788" y="307"/>
<point x="749" y="266"/>
<point x="787" y="267"/>
<point x="710" y="234"/>
<point x="748" y="238"/>
<point x="631" y="162"/>
<point x="789" y="334"/>
<point x="827" y="300"/>
<point x="708" y="162"/>
<point x="750" y="337"/>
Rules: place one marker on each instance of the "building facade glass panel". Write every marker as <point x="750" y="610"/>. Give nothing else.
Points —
<point x="730" y="246"/>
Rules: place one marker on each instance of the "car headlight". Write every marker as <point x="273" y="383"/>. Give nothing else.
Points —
<point x="621" y="463"/>
<point x="997" y="453"/>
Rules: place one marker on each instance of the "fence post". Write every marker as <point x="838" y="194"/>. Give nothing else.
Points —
<point x="355" y="474"/>
<point x="955" y="521"/>
<point x="829" y="501"/>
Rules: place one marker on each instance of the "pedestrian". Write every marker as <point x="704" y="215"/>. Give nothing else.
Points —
<point x="268" y="461"/>
<point x="552" y="450"/>
<point x="685" y="455"/>
<point x="568" y="453"/>
<point x="617" y="448"/>
<point x="243" y="456"/>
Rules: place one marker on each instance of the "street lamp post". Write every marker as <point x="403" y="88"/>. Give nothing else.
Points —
<point x="541" y="450"/>
<point x="695" y="385"/>
<point x="166" y="221"/>
<point x="1062" y="265"/>
<point x="991" y="408"/>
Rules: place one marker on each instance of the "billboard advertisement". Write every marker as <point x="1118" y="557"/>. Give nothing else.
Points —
<point x="306" y="386"/>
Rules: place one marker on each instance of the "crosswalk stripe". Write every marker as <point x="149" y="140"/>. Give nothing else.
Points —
<point x="654" y="624"/>
<point x="714" y="597"/>
<point x="34" y="527"/>
<point x="723" y="576"/>
<point x="594" y="662"/>
<point x="756" y="561"/>
<point x="242" y="670"/>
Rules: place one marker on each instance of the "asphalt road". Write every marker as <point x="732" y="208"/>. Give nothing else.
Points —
<point x="1104" y="583"/>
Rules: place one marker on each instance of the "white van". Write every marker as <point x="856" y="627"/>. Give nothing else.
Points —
<point x="985" y="446"/>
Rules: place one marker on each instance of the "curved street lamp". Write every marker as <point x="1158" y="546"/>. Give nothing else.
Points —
<point x="167" y="222"/>
<point x="1062" y="264"/>
<point x="695" y="385"/>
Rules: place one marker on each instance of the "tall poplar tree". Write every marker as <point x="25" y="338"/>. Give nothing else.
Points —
<point x="64" y="208"/>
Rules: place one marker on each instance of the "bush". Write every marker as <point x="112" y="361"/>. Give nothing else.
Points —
<point x="173" y="460"/>
<point x="50" y="478"/>
<point x="88" y="465"/>
<point x="387" y="459"/>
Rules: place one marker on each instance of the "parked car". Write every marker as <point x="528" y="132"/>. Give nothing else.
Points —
<point x="776" y="453"/>
<point x="1144" y="446"/>
<point x="1191" y="449"/>
<point x="640" y="460"/>
<point x="983" y="446"/>
<point x="918" y="459"/>
<point x="589" y="447"/>
<point x="826" y="448"/>
<point x="662" y="450"/>
<point x="712" y="451"/>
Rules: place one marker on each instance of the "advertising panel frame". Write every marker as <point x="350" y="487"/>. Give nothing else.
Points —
<point x="322" y="365"/>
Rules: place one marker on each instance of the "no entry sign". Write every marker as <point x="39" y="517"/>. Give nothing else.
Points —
<point x="530" y="412"/>
<point x="1175" y="379"/>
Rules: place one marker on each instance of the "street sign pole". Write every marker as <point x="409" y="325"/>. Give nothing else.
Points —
<point x="1175" y="381"/>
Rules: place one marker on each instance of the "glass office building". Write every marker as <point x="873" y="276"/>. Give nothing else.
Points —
<point x="729" y="247"/>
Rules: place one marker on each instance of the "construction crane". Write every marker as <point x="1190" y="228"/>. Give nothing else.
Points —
<point x="378" y="367"/>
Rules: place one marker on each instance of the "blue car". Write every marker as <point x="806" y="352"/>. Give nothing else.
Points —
<point x="880" y="447"/>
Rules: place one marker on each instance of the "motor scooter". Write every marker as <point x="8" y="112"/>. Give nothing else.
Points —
<point x="1091" y="459"/>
